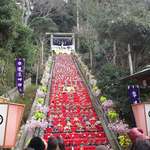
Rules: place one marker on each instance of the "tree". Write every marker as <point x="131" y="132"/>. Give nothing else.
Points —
<point x="59" y="11"/>
<point x="41" y="25"/>
<point x="116" y="24"/>
<point x="15" y="41"/>
<point x="8" y="19"/>
<point x="120" y="23"/>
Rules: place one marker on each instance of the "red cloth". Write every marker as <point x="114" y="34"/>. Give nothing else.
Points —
<point x="77" y="104"/>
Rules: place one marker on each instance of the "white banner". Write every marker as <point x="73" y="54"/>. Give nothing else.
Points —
<point x="3" y="116"/>
<point x="147" y="113"/>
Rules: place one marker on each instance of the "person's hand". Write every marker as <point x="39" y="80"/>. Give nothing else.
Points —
<point x="45" y="143"/>
<point x="135" y="133"/>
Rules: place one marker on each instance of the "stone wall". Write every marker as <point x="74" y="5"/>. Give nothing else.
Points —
<point x="11" y="94"/>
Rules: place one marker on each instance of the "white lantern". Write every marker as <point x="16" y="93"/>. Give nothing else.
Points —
<point x="10" y="119"/>
<point x="141" y="113"/>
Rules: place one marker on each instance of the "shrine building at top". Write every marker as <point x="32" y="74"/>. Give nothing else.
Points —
<point x="63" y="42"/>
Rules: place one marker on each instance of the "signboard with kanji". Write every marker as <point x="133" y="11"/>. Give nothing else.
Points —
<point x="20" y="63"/>
<point x="134" y="94"/>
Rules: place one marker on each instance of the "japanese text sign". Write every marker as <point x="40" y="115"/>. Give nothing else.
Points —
<point x="134" y="94"/>
<point x="20" y="63"/>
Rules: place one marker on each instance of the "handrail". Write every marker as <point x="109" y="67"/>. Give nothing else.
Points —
<point x="110" y="134"/>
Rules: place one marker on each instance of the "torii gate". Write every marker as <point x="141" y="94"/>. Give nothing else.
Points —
<point x="63" y="42"/>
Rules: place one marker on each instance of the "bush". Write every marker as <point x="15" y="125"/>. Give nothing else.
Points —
<point x="28" y="98"/>
<point x="109" y="81"/>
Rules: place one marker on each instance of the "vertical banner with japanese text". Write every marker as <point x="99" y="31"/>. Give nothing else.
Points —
<point x="134" y="94"/>
<point x="20" y="67"/>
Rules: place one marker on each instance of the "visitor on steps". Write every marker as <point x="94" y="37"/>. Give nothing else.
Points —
<point x="141" y="144"/>
<point x="61" y="143"/>
<point x="37" y="143"/>
<point x="52" y="144"/>
<point x="135" y="133"/>
<point x="139" y="139"/>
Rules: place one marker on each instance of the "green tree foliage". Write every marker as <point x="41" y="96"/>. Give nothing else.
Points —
<point x="26" y="41"/>
<point x="126" y="22"/>
<point x="50" y="16"/>
<point x="6" y="70"/>
<point x="116" y="24"/>
<point x="41" y="25"/>
<point x="23" y="46"/>
<point x="15" y="41"/>
<point x="67" y="20"/>
<point x="61" y="13"/>
<point x="8" y="21"/>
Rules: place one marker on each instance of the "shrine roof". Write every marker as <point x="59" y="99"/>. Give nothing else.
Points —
<point x="138" y="75"/>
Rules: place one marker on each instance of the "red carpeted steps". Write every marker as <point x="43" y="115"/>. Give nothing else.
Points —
<point x="71" y="114"/>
